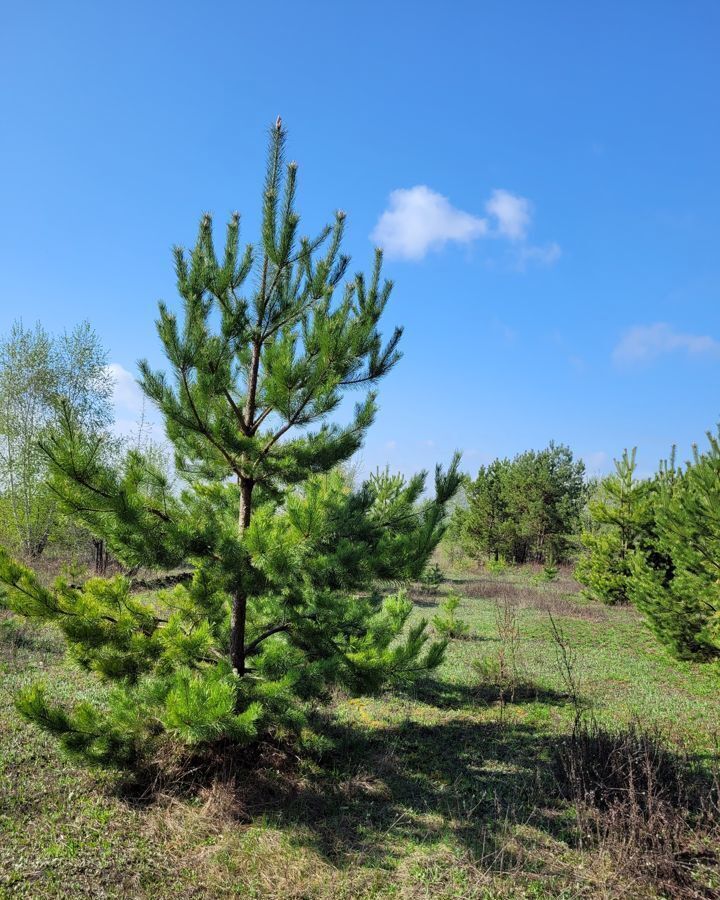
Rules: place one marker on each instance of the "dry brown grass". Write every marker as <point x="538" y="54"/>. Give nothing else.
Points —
<point x="548" y="598"/>
<point x="654" y="811"/>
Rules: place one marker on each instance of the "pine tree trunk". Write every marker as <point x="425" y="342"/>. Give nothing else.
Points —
<point x="239" y="600"/>
<point x="101" y="556"/>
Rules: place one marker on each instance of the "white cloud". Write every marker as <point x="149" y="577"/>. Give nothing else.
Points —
<point x="511" y="212"/>
<point x="647" y="342"/>
<point x="419" y="219"/>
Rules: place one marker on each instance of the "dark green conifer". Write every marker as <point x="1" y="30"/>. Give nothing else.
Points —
<point x="527" y="508"/>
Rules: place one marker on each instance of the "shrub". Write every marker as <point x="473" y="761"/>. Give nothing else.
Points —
<point x="496" y="566"/>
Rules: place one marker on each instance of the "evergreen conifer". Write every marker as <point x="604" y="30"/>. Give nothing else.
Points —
<point x="676" y="581"/>
<point x="622" y="517"/>
<point x="285" y="556"/>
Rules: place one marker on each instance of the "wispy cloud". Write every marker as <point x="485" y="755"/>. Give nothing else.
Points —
<point x="512" y="214"/>
<point x="644" y="343"/>
<point x="419" y="220"/>
<point x="544" y="254"/>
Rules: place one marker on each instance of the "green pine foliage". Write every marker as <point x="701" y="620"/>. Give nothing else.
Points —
<point x="285" y="555"/>
<point x="526" y="509"/>
<point x="622" y="520"/>
<point x="497" y="566"/>
<point x="486" y="518"/>
<point x="655" y="543"/>
<point x="432" y="577"/>
<point x="676" y="581"/>
<point x="447" y="622"/>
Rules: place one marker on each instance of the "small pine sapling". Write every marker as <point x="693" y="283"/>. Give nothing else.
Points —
<point x="623" y="519"/>
<point x="431" y="578"/>
<point x="496" y="566"/>
<point x="448" y="624"/>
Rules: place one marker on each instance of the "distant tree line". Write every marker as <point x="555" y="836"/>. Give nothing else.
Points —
<point x="652" y="542"/>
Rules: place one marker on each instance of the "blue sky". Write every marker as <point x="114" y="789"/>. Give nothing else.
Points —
<point x="544" y="177"/>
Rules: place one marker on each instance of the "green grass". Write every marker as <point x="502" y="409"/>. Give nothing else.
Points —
<point x="433" y="791"/>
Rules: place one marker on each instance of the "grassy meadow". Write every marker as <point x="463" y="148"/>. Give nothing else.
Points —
<point x="452" y="788"/>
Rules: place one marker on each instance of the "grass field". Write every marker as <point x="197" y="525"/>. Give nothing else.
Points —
<point x="439" y="790"/>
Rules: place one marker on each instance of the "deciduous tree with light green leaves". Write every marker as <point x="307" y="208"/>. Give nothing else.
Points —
<point x="36" y="370"/>
<point x="285" y="555"/>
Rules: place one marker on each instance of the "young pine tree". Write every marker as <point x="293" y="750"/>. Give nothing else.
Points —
<point x="676" y="581"/>
<point x="544" y="493"/>
<point x="624" y="515"/>
<point x="486" y="517"/>
<point x="284" y="553"/>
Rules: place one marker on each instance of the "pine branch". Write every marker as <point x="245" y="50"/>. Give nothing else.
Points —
<point x="203" y="429"/>
<point x="253" y="647"/>
<point x="238" y="413"/>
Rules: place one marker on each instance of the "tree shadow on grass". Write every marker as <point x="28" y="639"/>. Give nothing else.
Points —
<point x="382" y="789"/>
<point x="426" y="601"/>
<point x="446" y="695"/>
